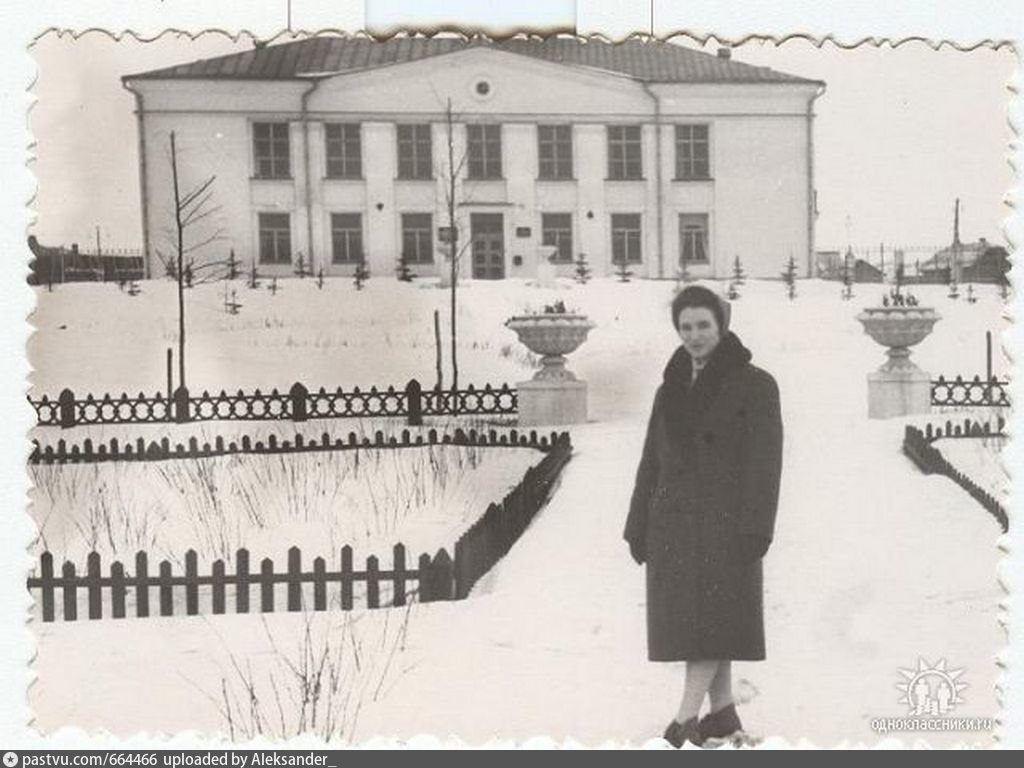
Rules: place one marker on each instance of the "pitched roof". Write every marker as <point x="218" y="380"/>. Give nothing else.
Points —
<point x="645" y="60"/>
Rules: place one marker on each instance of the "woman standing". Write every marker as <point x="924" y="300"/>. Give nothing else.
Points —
<point x="703" y="511"/>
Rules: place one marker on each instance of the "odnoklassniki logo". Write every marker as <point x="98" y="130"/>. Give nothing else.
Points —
<point x="931" y="690"/>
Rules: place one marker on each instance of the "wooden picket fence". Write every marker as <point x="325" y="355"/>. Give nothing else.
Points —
<point x="437" y="577"/>
<point x="298" y="404"/>
<point x="492" y="536"/>
<point x="917" y="445"/>
<point x="433" y="580"/>
<point x="89" y="452"/>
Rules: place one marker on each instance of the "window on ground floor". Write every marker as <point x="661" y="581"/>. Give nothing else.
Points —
<point x="556" y="230"/>
<point x="346" y="238"/>
<point x="417" y="238"/>
<point x="693" y="238"/>
<point x="275" y="238"/>
<point x="627" y="242"/>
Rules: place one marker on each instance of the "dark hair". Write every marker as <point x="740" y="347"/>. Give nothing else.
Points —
<point x="699" y="296"/>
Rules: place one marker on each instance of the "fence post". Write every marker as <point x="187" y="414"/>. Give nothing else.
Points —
<point x="319" y="584"/>
<point x="294" y="579"/>
<point x="442" y="577"/>
<point x="181" y="405"/>
<point x="346" y="578"/>
<point x="166" y="589"/>
<point x="242" y="581"/>
<point x="218" y="584"/>
<point x="267" y="585"/>
<point x="191" y="583"/>
<point x="70" y="592"/>
<point x="414" y="400"/>
<point x="372" y="582"/>
<point x="46" y="573"/>
<point x="117" y="590"/>
<point x="398" y="569"/>
<point x="92" y="577"/>
<point x="298" y="394"/>
<point x="66" y="407"/>
<point x="141" y="584"/>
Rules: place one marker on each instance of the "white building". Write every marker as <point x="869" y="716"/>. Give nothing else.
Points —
<point x="335" y="149"/>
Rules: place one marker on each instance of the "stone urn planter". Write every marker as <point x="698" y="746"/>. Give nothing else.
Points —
<point x="898" y="387"/>
<point x="554" y="395"/>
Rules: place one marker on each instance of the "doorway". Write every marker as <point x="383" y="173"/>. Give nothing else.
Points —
<point x="487" y="231"/>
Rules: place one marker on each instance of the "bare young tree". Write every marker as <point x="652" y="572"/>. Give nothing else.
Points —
<point x="190" y="209"/>
<point x="451" y="172"/>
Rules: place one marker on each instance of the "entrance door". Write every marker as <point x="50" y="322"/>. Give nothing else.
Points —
<point x="488" y="233"/>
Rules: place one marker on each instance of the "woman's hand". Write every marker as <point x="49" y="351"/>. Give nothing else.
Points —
<point x="752" y="546"/>
<point x="638" y="551"/>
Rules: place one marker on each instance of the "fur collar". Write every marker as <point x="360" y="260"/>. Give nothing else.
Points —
<point x="685" y="402"/>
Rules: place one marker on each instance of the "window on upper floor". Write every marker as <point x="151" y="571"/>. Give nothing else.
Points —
<point x="554" y="151"/>
<point x="417" y="238"/>
<point x="275" y="238"/>
<point x="625" y="152"/>
<point x="415" y="155"/>
<point x="346" y="238"/>
<point x="483" y="146"/>
<point x="344" y="150"/>
<point x="627" y="240"/>
<point x="693" y="155"/>
<point x="556" y="230"/>
<point x="271" y="150"/>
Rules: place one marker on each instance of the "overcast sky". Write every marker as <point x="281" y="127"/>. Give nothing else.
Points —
<point x="900" y="134"/>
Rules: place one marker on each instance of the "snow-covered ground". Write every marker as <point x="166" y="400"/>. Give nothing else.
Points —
<point x="874" y="565"/>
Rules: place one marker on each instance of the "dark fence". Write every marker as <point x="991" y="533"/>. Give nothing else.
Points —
<point x="918" y="446"/>
<point x="141" y="450"/>
<point x="431" y="580"/>
<point x="982" y="393"/>
<point x="436" y="577"/>
<point x="491" y="537"/>
<point x="297" y="404"/>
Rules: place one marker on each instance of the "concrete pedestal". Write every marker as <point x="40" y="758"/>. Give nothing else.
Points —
<point x="551" y="402"/>
<point x="898" y="393"/>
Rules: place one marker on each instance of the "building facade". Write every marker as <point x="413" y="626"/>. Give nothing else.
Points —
<point x="329" y="151"/>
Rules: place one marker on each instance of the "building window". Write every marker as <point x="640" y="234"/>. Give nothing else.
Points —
<point x="415" y="156"/>
<point x="344" y="151"/>
<point x="626" y="238"/>
<point x="556" y="230"/>
<point x="483" y="143"/>
<point x="346" y="238"/>
<point x="625" y="155"/>
<point x="693" y="238"/>
<point x="271" y="150"/>
<point x="417" y="238"/>
<point x="275" y="238"/>
<point x="554" y="151"/>
<point x="692" y="152"/>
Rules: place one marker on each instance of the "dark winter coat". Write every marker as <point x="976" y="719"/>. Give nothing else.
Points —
<point x="708" y="477"/>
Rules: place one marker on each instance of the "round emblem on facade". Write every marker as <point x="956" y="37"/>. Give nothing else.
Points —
<point x="482" y="88"/>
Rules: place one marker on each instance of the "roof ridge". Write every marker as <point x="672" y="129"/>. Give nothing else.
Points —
<point x="646" y="59"/>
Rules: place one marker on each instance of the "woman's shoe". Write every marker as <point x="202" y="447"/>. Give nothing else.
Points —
<point x="678" y="733"/>
<point x="718" y="725"/>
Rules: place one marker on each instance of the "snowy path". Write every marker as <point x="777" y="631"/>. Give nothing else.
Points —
<point x="874" y="564"/>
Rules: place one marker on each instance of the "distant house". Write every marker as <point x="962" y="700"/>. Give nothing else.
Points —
<point x="978" y="262"/>
<point x="864" y="272"/>
<point x="336" y="149"/>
